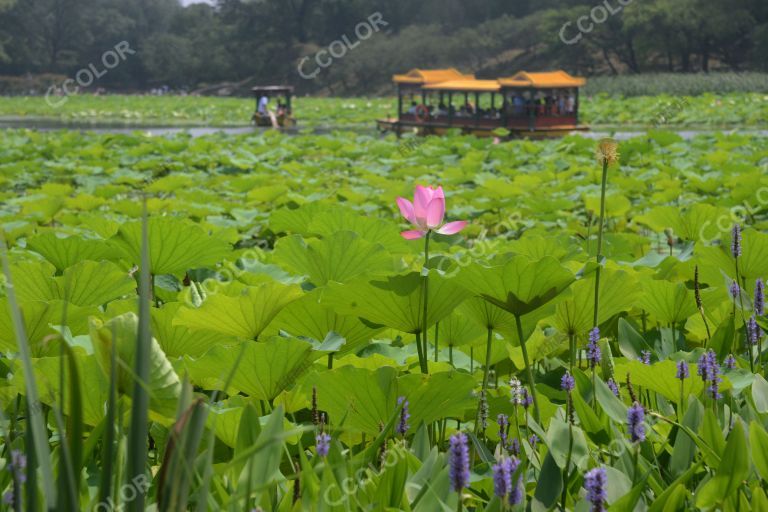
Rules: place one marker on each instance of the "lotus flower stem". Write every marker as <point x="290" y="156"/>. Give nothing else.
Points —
<point x="487" y="367"/>
<point x="600" y="238"/>
<point x="425" y="324"/>
<point x="528" y="368"/>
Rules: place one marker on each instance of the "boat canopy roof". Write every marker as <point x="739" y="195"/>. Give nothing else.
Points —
<point x="273" y="89"/>
<point x="546" y="80"/>
<point x="466" y="86"/>
<point x="430" y="76"/>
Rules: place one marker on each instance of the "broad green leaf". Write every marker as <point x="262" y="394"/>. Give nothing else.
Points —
<point x="760" y="393"/>
<point x="39" y="317"/>
<point x="307" y="317"/>
<point x="164" y="386"/>
<point x="175" y="246"/>
<point x="63" y="252"/>
<point x="340" y="257"/>
<point x="698" y="222"/>
<point x="518" y="286"/>
<point x="178" y="340"/>
<point x="758" y="440"/>
<point x="458" y="329"/>
<point x="618" y="292"/>
<point x="397" y="301"/>
<point x="264" y="369"/>
<point x="669" y="303"/>
<point x="660" y="377"/>
<point x="93" y="284"/>
<point x="245" y="315"/>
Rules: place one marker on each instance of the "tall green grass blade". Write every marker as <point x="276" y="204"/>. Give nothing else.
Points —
<point x="109" y="449"/>
<point x="139" y="431"/>
<point x="37" y="433"/>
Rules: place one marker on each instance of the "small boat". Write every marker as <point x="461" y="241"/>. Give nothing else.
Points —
<point x="279" y="115"/>
<point x="525" y="104"/>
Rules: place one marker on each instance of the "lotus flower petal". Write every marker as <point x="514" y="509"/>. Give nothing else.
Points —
<point x="413" y="235"/>
<point x="421" y="198"/>
<point x="435" y="212"/>
<point x="406" y="209"/>
<point x="452" y="227"/>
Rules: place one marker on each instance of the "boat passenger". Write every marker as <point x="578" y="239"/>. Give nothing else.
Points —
<point x="263" y="105"/>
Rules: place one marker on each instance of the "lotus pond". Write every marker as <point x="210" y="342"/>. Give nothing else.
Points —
<point x="706" y="110"/>
<point x="348" y="322"/>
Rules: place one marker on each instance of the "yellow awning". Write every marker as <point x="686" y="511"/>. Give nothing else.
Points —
<point x="428" y="76"/>
<point x="546" y="80"/>
<point x="466" y="85"/>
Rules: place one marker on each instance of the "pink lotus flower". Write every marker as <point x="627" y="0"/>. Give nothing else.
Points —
<point x="426" y="213"/>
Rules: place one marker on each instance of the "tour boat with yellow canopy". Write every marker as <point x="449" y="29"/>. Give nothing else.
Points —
<point x="525" y="104"/>
<point x="273" y="106"/>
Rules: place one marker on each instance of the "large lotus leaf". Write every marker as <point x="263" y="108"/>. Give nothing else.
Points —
<point x="698" y="223"/>
<point x="618" y="292"/>
<point x="307" y="317"/>
<point x="753" y="262"/>
<point x="178" y="340"/>
<point x="366" y="399"/>
<point x="616" y="205"/>
<point x="264" y="370"/>
<point x="458" y="329"/>
<point x="93" y="284"/>
<point x="487" y="315"/>
<point x="175" y="245"/>
<point x="536" y="247"/>
<point x="33" y="280"/>
<point x="296" y="220"/>
<point x="520" y="285"/>
<point x="669" y="303"/>
<point x="340" y="257"/>
<point x="65" y="252"/>
<point x="397" y="301"/>
<point x="38" y="318"/>
<point x="93" y="384"/>
<point x="245" y="315"/>
<point x="164" y="386"/>
<point x="371" y="229"/>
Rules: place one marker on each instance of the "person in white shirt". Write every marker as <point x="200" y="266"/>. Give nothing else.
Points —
<point x="263" y="103"/>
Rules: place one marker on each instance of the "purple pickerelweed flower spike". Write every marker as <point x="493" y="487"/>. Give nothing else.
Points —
<point x="682" y="370"/>
<point x="402" y="427"/>
<point x="18" y="464"/>
<point x="458" y="462"/>
<point x="514" y="447"/>
<point x="635" y="418"/>
<point x="533" y="440"/>
<point x="503" y="421"/>
<point x="613" y="387"/>
<point x="754" y="333"/>
<point x="517" y="492"/>
<point x="8" y="498"/>
<point x="502" y="476"/>
<point x="734" y="289"/>
<point x="759" y="298"/>
<point x="736" y="241"/>
<point x="567" y="383"/>
<point x="645" y="357"/>
<point x="596" y="482"/>
<point x="322" y="444"/>
<point x="730" y="362"/>
<point x="593" y="347"/>
<point x="526" y="399"/>
<point x="709" y="371"/>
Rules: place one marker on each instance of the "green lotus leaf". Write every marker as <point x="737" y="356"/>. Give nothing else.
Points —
<point x="175" y="246"/>
<point x="39" y="317"/>
<point x="618" y="292"/>
<point x="697" y="223"/>
<point x="65" y="252"/>
<point x="164" y="386"/>
<point x="307" y="317"/>
<point x="397" y="301"/>
<point x="458" y="328"/>
<point x="340" y="257"/>
<point x="518" y="286"/>
<point x="179" y="340"/>
<point x="264" y="370"/>
<point x="669" y="303"/>
<point x="245" y="315"/>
